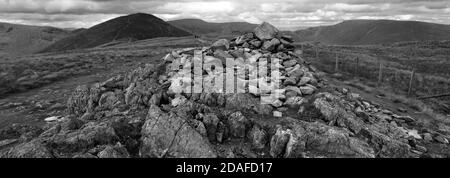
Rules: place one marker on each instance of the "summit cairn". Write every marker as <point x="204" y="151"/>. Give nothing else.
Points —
<point x="266" y="66"/>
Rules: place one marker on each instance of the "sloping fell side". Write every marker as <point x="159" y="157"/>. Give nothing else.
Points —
<point x="126" y="28"/>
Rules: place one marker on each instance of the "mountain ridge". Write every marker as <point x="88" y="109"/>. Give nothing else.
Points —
<point x="368" y="32"/>
<point x="132" y="27"/>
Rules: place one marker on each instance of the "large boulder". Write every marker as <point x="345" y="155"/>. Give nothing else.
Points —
<point x="279" y="141"/>
<point x="265" y="31"/>
<point x="168" y="135"/>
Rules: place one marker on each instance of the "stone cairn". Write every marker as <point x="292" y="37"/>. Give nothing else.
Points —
<point x="265" y="44"/>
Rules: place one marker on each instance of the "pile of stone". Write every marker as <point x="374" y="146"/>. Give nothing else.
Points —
<point x="265" y="45"/>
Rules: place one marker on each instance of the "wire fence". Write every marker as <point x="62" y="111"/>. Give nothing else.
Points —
<point x="385" y="73"/>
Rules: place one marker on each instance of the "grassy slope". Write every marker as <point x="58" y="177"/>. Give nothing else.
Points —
<point x="363" y="32"/>
<point x="23" y="39"/>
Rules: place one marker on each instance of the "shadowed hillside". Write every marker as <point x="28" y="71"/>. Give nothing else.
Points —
<point x="201" y="27"/>
<point x="364" y="32"/>
<point x="126" y="28"/>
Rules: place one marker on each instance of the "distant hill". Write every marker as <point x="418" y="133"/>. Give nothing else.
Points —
<point x="25" y="39"/>
<point x="200" y="27"/>
<point x="126" y="28"/>
<point x="366" y="32"/>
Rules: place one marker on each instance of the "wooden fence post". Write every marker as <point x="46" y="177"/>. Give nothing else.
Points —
<point x="411" y="82"/>
<point x="336" y="67"/>
<point x="356" y="66"/>
<point x="317" y="52"/>
<point x="380" y="73"/>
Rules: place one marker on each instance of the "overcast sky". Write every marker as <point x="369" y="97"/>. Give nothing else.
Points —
<point x="285" y="14"/>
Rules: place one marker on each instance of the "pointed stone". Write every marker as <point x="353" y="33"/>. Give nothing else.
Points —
<point x="265" y="31"/>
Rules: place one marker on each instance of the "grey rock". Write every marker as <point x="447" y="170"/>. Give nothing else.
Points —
<point x="222" y="132"/>
<point x="114" y="82"/>
<point x="221" y="44"/>
<point x="245" y="101"/>
<point x="441" y="139"/>
<point x="290" y="81"/>
<point x="109" y="100"/>
<point x="255" y="43"/>
<point x="244" y="38"/>
<point x="117" y="151"/>
<point x="304" y="81"/>
<point x="279" y="141"/>
<point x="295" y="72"/>
<point x="277" y="114"/>
<point x="294" y="89"/>
<point x="290" y="63"/>
<point x="258" y="137"/>
<point x="270" y="45"/>
<point x="407" y="119"/>
<point x="294" y="101"/>
<point x="222" y="55"/>
<point x="237" y="124"/>
<point x="326" y="141"/>
<point x="307" y="90"/>
<point x="421" y="148"/>
<point x="91" y="135"/>
<point x="427" y="137"/>
<point x="265" y="31"/>
<point x="83" y="99"/>
<point x="211" y="122"/>
<point x="402" y="110"/>
<point x="199" y="127"/>
<point x="291" y="94"/>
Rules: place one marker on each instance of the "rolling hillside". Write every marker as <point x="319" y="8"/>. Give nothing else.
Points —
<point x="24" y="39"/>
<point x="126" y="28"/>
<point x="366" y="32"/>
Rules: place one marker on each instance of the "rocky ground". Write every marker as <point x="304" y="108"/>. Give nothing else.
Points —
<point x="139" y="114"/>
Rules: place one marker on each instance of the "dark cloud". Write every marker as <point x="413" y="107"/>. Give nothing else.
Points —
<point x="286" y="14"/>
